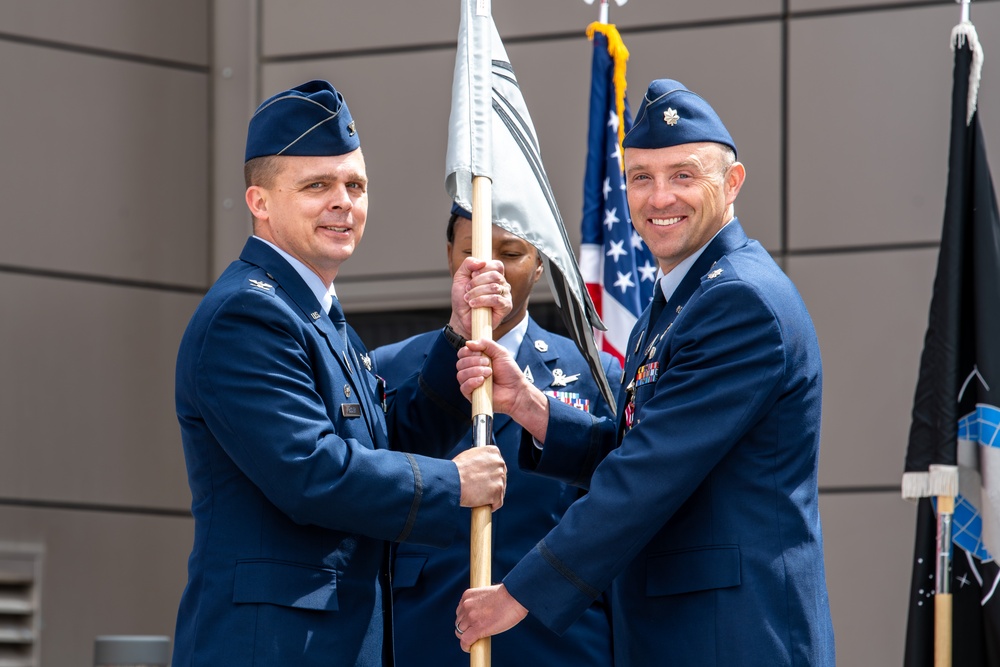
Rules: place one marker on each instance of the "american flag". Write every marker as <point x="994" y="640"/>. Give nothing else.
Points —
<point x="618" y="269"/>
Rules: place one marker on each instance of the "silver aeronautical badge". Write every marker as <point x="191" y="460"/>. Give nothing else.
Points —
<point x="528" y="375"/>
<point x="560" y="379"/>
<point x="541" y="346"/>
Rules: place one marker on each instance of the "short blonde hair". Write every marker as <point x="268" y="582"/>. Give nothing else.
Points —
<point x="262" y="171"/>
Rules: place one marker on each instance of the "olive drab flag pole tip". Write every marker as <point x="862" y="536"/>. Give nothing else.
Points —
<point x="469" y="166"/>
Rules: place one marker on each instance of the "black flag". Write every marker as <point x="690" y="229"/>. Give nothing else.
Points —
<point x="956" y="418"/>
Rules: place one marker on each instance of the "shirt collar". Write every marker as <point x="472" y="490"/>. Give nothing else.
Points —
<point x="324" y="294"/>
<point x="671" y="280"/>
<point x="511" y="341"/>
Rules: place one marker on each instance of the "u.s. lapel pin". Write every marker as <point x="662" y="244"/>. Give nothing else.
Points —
<point x="541" y="346"/>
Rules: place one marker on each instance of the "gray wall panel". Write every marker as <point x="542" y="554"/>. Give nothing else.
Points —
<point x="102" y="574"/>
<point x="869" y="112"/>
<point x="317" y="26"/>
<point x="169" y="29"/>
<point x="870" y="312"/>
<point x="105" y="168"/>
<point x="86" y="405"/>
<point x="868" y="543"/>
<point x="847" y="5"/>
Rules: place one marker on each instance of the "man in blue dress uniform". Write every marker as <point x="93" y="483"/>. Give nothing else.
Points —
<point x="295" y="491"/>
<point x="428" y="582"/>
<point x="702" y="512"/>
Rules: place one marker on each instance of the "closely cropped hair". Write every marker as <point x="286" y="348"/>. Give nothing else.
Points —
<point x="728" y="157"/>
<point x="261" y="171"/>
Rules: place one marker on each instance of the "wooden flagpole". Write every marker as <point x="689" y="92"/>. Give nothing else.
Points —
<point x="481" y="545"/>
<point x="942" y="578"/>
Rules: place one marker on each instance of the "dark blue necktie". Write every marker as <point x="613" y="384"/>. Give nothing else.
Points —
<point x="339" y="321"/>
<point x="659" y="302"/>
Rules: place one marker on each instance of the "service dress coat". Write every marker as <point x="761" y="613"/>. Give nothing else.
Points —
<point x="428" y="582"/>
<point x="295" y="493"/>
<point x="703" y="516"/>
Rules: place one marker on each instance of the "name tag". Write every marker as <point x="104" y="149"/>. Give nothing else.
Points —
<point x="350" y="409"/>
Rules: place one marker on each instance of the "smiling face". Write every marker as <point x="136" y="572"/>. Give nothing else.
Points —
<point x="313" y="208"/>
<point x="522" y="266"/>
<point x="680" y="196"/>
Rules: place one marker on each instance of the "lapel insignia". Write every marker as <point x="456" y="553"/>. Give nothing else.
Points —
<point x="528" y="375"/>
<point x="352" y="128"/>
<point x="570" y="398"/>
<point x="315" y="315"/>
<point x="679" y="309"/>
<point x="541" y="346"/>
<point x="670" y="117"/>
<point x="367" y="361"/>
<point x="260" y="284"/>
<point x="347" y="391"/>
<point x="715" y="274"/>
<point x="560" y="379"/>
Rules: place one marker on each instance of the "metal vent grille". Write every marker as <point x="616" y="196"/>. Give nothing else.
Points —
<point x="20" y="615"/>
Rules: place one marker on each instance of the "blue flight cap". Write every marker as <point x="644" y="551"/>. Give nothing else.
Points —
<point x="670" y="115"/>
<point x="459" y="211"/>
<point x="311" y="119"/>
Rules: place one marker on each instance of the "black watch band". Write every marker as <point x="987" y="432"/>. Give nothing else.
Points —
<point x="453" y="337"/>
